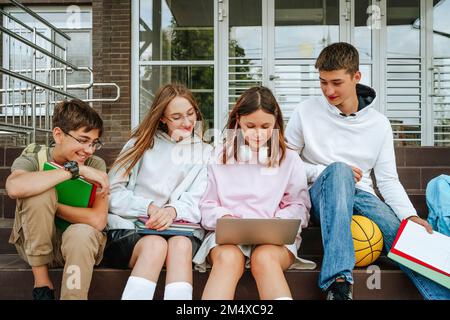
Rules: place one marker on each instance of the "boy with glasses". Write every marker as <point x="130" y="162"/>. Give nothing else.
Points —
<point x="76" y="132"/>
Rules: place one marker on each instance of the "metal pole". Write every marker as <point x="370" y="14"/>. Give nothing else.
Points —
<point x="33" y="89"/>
<point x="12" y="65"/>
<point x="28" y="28"/>
<point x="34" y="46"/>
<point x="65" y="70"/>
<point x="38" y="17"/>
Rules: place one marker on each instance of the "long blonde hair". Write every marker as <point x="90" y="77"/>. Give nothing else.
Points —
<point x="145" y="133"/>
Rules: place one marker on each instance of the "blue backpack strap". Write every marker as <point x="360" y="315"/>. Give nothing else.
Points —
<point x="438" y="202"/>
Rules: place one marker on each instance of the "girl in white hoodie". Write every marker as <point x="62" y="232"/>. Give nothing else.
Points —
<point x="160" y="173"/>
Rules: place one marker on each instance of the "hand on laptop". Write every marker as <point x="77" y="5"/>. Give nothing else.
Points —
<point x="229" y="216"/>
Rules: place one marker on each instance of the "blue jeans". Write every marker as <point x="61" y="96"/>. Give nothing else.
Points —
<point x="334" y="200"/>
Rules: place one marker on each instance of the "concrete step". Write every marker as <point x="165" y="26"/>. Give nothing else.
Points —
<point x="5" y="231"/>
<point x="16" y="281"/>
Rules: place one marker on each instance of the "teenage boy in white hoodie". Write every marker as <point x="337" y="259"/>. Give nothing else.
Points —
<point x="341" y="139"/>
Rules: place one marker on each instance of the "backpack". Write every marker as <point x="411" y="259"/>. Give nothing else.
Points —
<point x="41" y="150"/>
<point x="438" y="202"/>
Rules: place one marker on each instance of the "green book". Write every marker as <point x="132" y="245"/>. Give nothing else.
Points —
<point x="75" y="193"/>
<point x="423" y="270"/>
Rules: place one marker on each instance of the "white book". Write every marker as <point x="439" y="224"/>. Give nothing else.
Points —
<point x="425" y="253"/>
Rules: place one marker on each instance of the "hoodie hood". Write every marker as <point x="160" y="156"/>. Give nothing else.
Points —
<point x="190" y="140"/>
<point x="366" y="95"/>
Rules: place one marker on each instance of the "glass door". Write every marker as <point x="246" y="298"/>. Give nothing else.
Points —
<point x="273" y="43"/>
<point x="440" y="91"/>
<point x="173" y="42"/>
<point x="245" y="47"/>
<point x="302" y="29"/>
<point x="403" y="45"/>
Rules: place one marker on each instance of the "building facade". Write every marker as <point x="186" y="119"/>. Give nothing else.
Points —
<point x="218" y="48"/>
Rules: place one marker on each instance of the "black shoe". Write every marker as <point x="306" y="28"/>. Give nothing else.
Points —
<point x="340" y="291"/>
<point x="43" y="293"/>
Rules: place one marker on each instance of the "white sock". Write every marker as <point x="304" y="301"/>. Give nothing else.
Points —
<point x="138" y="288"/>
<point x="178" y="291"/>
<point x="284" y="298"/>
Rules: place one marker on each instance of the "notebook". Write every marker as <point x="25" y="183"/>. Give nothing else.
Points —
<point x="177" y="228"/>
<point x="427" y="254"/>
<point x="256" y="231"/>
<point x="75" y="193"/>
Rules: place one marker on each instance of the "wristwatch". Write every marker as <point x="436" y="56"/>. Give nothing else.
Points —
<point x="72" y="166"/>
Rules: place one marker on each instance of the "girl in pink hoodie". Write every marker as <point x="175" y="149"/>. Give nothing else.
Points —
<point x="254" y="175"/>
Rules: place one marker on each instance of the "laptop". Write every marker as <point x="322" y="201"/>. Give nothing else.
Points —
<point x="256" y="231"/>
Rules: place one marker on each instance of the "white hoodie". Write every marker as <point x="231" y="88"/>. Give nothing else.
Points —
<point x="323" y="136"/>
<point x="168" y="175"/>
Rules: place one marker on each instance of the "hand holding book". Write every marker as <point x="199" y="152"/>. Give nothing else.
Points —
<point x="421" y="222"/>
<point x="75" y="193"/>
<point x="161" y="219"/>
<point x="97" y="177"/>
<point x="180" y="228"/>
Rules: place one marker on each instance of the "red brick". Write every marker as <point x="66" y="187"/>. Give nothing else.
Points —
<point x="112" y="63"/>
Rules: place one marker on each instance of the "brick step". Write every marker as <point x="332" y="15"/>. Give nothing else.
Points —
<point x="417" y="198"/>
<point x="311" y="240"/>
<point x="422" y="156"/>
<point x="5" y="231"/>
<point x="418" y="177"/>
<point x="16" y="281"/>
<point x="414" y="178"/>
<point x="311" y="243"/>
<point x="405" y="156"/>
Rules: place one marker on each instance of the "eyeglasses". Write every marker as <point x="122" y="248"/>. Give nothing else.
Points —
<point x="96" y="144"/>
<point x="191" y="116"/>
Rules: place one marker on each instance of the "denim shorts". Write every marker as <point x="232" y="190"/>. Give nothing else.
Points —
<point x="120" y="244"/>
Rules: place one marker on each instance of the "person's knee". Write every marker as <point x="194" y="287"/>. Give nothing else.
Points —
<point x="81" y="237"/>
<point x="262" y="259"/>
<point x="228" y="256"/>
<point x="340" y="169"/>
<point x="340" y="175"/>
<point x="42" y="201"/>
<point x="180" y="245"/>
<point x="152" y="246"/>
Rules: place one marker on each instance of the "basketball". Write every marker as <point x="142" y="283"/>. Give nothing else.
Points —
<point x="367" y="240"/>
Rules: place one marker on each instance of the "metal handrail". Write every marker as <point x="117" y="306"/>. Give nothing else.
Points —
<point x="25" y="104"/>
<point x="105" y="84"/>
<point x="25" y="128"/>
<point x="31" y="29"/>
<point x="71" y="86"/>
<point x="32" y="45"/>
<point x="36" y="83"/>
<point x="38" y="17"/>
<point x="27" y="108"/>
